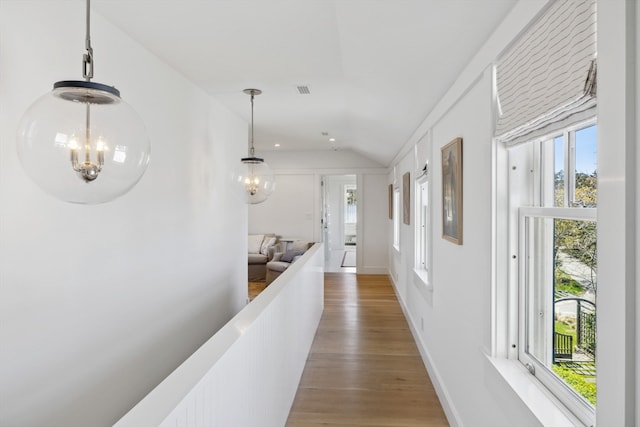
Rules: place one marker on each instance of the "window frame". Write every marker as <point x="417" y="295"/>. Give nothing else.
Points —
<point x="565" y="394"/>
<point x="396" y="217"/>
<point x="422" y="250"/>
<point x="508" y="337"/>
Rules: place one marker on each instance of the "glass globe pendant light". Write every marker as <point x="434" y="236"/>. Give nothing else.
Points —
<point x="253" y="175"/>
<point x="81" y="142"/>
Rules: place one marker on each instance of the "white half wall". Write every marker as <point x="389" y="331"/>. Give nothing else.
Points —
<point x="248" y="373"/>
<point x="99" y="303"/>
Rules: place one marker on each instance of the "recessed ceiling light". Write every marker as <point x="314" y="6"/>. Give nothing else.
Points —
<point x="276" y="145"/>
<point x="332" y="139"/>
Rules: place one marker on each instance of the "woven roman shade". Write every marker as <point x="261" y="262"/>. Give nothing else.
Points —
<point x="546" y="79"/>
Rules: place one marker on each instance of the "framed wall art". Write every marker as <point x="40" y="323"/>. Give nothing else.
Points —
<point x="452" y="191"/>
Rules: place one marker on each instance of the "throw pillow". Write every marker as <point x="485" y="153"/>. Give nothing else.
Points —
<point x="299" y="245"/>
<point x="268" y="241"/>
<point x="277" y="256"/>
<point x="290" y="255"/>
<point x="255" y="241"/>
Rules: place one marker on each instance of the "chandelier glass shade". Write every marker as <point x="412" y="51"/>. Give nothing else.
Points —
<point x="256" y="180"/>
<point x="81" y="142"/>
<point x="253" y="175"/>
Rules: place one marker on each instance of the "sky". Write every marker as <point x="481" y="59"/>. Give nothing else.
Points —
<point x="586" y="151"/>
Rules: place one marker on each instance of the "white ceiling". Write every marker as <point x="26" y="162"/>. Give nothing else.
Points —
<point x="375" y="68"/>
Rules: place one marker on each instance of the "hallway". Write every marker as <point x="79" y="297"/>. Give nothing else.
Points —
<point x="364" y="368"/>
<point x="341" y="260"/>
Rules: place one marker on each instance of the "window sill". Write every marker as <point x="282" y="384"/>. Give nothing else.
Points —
<point x="421" y="278"/>
<point x="544" y="406"/>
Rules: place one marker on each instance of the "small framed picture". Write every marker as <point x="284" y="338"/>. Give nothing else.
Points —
<point x="452" y="191"/>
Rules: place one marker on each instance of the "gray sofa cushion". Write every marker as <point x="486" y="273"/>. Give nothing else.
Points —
<point x="290" y="255"/>
<point x="277" y="266"/>
<point x="300" y="245"/>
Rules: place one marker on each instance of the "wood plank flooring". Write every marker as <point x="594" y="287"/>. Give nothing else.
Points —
<point x="255" y="288"/>
<point x="364" y="368"/>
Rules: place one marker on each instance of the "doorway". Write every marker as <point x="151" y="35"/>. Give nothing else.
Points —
<point x="340" y="222"/>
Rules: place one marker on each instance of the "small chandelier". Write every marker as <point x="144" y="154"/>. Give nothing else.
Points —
<point x="253" y="175"/>
<point x="81" y="142"/>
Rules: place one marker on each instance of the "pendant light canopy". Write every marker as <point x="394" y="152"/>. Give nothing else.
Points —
<point x="253" y="175"/>
<point x="81" y="142"/>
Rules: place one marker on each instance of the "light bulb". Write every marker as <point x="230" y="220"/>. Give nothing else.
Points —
<point x="255" y="179"/>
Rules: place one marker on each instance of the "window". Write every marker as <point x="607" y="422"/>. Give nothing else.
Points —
<point x="422" y="216"/>
<point x="350" y="214"/>
<point x="553" y="195"/>
<point x="396" y="218"/>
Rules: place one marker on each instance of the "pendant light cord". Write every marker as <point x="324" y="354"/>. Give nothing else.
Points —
<point x="252" y="150"/>
<point x="87" y="58"/>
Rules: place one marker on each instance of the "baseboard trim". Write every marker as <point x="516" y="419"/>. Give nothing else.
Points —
<point x="445" y="400"/>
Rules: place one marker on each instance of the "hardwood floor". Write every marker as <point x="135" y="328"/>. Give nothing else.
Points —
<point x="255" y="288"/>
<point x="364" y="368"/>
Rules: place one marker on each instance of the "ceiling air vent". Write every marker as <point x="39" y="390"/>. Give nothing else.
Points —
<point x="303" y="89"/>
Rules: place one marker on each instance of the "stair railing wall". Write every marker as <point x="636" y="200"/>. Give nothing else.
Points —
<point x="248" y="373"/>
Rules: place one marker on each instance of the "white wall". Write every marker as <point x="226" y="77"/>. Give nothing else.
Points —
<point x="617" y="214"/>
<point x="456" y="314"/>
<point x="298" y="197"/>
<point x="289" y="211"/>
<point x="373" y="214"/>
<point x="313" y="159"/>
<point x="99" y="303"/>
<point x="637" y="185"/>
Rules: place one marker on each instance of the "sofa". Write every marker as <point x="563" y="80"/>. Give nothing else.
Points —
<point x="261" y="248"/>
<point x="285" y="254"/>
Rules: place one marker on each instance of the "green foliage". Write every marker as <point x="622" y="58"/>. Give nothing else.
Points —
<point x="586" y="389"/>
<point x="578" y="238"/>
<point x="566" y="283"/>
<point x="587" y="189"/>
<point x="566" y="329"/>
<point x="589" y="344"/>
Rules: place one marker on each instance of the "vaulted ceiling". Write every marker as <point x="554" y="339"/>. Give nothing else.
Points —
<point x="373" y="68"/>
